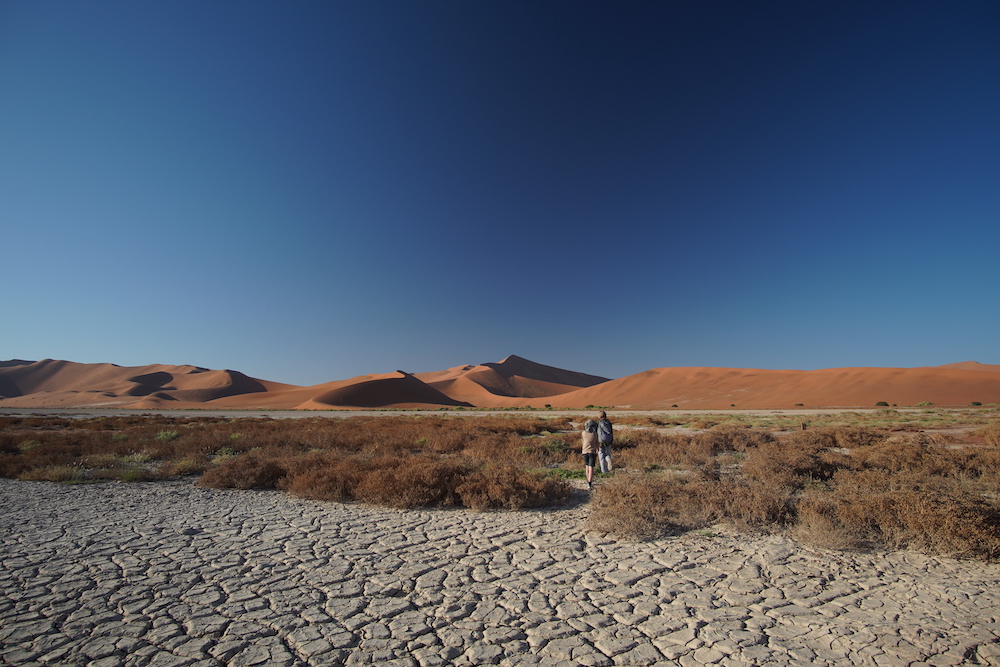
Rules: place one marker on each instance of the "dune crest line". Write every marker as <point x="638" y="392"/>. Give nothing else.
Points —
<point x="514" y="382"/>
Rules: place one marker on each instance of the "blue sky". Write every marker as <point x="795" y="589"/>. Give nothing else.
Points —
<point x="310" y="191"/>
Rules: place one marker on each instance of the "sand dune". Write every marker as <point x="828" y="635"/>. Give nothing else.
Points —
<point x="514" y="377"/>
<point x="513" y="382"/>
<point x="397" y="389"/>
<point x="853" y="387"/>
<point x="972" y="366"/>
<point x="51" y="383"/>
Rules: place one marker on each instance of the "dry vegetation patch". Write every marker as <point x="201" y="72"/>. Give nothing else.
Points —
<point x="848" y="485"/>
<point x="495" y="462"/>
<point x="841" y="487"/>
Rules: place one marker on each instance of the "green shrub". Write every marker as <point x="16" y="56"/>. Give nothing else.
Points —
<point x="135" y="475"/>
<point x="64" y="474"/>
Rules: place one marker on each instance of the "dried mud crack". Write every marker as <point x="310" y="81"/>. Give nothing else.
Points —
<point x="169" y="574"/>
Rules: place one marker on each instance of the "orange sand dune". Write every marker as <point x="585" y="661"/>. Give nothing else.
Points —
<point x="396" y="389"/>
<point x="368" y="391"/>
<point x="51" y="383"/>
<point x="514" y="382"/>
<point x="972" y="366"/>
<point x="514" y="377"/>
<point x="742" y="388"/>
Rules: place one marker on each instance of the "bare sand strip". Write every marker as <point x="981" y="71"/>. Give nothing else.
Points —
<point x="166" y="574"/>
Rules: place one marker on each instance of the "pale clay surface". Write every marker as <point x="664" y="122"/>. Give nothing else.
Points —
<point x="165" y="574"/>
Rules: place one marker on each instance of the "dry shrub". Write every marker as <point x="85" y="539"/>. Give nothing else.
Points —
<point x="11" y="464"/>
<point x="752" y="506"/>
<point x="644" y="420"/>
<point x="503" y="448"/>
<point x="649" y="449"/>
<point x="819" y="524"/>
<point x="852" y="437"/>
<point x="183" y="467"/>
<point x="913" y="452"/>
<point x="245" y="472"/>
<point x="635" y="508"/>
<point x="791" y="463"/>
<point x="417" y="481"/>
<point x="323" y="477"/>
<point x="505" y="487"/>
<point x="990" y="432"/>
<point x="544" y="451"/>
<point x="642" y="507"/>
<point x="731" y="437"/>
<point x="421" y="481"/>
<point x="985" y="465"/>
<point x="46" y="455"/>
<point x="53" y="473"/>
<point x="913" y="512"/>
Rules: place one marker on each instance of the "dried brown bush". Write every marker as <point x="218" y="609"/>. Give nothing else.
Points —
<point x="413" y="461"/>
<point x="54" y="473"/>
<point x="323" y="477"/>
<point x="644" y="420"/>
<point x="913" y="511"/>
<point x="839" y="486"/>
<point x="637" y="507"/>
<point x="792" y="462"/>
<point x="754" y="506"/>
<point x="648" y="449"/>
<point x="646" y="506"/>
<point x="507" y="488"/>
<point x="415" y="481"/>
<point x="990" y="432"/>
<point x="818" y="523"/>
<point x="245" y="472"/>
<point x="731" y="437"/>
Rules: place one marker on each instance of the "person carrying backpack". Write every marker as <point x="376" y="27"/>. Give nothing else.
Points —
<point x="605" y="437"/>
<point x="590" y="449"/>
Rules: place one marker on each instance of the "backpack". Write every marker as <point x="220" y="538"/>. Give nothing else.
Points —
<point x="604" y="434"/>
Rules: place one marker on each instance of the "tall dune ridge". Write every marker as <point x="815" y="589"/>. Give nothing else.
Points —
<point x="512" y="382"/>
<point x="514" y="377"/>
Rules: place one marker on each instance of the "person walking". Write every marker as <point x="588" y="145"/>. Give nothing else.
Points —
<point x="605" y="437"/>
<point x="590" y="448"/>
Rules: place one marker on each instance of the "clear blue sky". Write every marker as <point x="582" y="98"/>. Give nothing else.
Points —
<point x="308" y="191"/>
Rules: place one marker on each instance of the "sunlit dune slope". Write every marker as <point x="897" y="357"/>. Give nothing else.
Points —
<point x="514" y="382"/>
<point x="855" y="387"/>
<point x="972" y="366"/>
<point x="51" y="383"/>
<point x="514" y="377"/>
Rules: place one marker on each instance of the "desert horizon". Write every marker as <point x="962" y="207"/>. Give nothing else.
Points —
<point x="514" y="382"/>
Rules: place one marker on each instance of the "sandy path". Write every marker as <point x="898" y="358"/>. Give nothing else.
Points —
<point x="166" y="574"/>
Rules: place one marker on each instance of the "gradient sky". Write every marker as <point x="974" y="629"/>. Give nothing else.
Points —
<point x="309" y="191"/>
